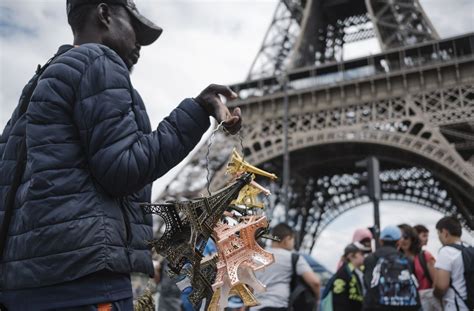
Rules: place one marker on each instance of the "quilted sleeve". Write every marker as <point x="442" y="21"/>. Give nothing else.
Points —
<point x="121" y="157"/>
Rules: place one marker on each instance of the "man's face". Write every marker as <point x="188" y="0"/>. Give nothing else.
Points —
<point x="122" y="38"/>
<point x="423" y="236"/>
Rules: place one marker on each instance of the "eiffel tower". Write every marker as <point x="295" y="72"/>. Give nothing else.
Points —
<point x="411" y="106"/>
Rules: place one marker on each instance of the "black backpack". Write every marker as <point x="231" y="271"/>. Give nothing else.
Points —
<point x="467" y="253"/>
<point x="393" y="284"/>
<point x="301" y="295"/>
<point x="424" y="266"/>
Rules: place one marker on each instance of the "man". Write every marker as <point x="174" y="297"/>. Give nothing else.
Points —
<point x="449" y="266"/>
<point x="388" y="276"/>
<point x="76" y="230"/>
<point x="277" y="276"/>
<point x="348" y="286"/>
<point x="423" y="234"/>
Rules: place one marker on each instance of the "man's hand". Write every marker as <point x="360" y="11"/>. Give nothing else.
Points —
<point x="209" y="99"/>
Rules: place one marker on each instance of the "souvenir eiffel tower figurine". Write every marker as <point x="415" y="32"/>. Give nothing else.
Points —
<point x="237" y="166"/>
<point x="219" y="301"/>
<point x="201" y="282"/>
<point x="239" y="256"/>
<point x="185" y="237"/>
<point x="248" y="195"/>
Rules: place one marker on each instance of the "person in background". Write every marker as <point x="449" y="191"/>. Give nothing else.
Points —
<point x="277" y="276"/>
<point x="235" y="304"/>
<point x="363" y="236"/>
<point x="209" y="250"/>
<point x="387" y="262"/>
<point x="449" y="282"/>
<point x="423" y="234"/>
<point x="423" y="265"/>
<point x="348" y="287"/>
<point x="423" y="260"/>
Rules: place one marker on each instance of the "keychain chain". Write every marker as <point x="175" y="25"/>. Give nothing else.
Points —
<point x="209" y="145"/>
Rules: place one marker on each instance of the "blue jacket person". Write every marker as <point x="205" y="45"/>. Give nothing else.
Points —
<point x="76" y="231"/>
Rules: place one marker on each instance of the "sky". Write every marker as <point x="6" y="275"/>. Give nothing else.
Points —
<point x="203" y="42"/>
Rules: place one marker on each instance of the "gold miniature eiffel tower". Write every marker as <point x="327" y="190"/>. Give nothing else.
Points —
<point x="237" y="166"/>
<point x="248" y="195"/>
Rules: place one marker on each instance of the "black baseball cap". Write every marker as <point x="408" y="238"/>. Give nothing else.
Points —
<point x="147" y="32"/>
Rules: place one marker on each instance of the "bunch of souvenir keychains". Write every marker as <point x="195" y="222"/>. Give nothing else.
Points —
<point x="229" y="217"/>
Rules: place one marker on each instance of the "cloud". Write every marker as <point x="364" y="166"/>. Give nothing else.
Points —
<point x="9" y="27"/>
<point x="453" y="20"/>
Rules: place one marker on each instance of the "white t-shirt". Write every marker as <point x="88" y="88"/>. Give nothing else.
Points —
<point x="450" y="259"/>
<point x="277" y="278"/>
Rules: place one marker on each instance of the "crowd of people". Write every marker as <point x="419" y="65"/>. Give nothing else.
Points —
<point x="396" y="273"/>
<point x="400" y="274"/>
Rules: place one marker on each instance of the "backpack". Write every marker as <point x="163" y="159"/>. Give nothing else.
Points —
<point x="424" y="266"/>
<point x="467" y="253"/>
<point x="393" y="283"/>
<point x="301" y="295"/>
<point x="326" y="297"/>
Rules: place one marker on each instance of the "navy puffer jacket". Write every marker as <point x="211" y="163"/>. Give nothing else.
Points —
<point x="91" y="159"/>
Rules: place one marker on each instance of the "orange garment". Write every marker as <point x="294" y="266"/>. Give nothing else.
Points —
<point x="104" y="307"/>
<point x="423" y="281"/>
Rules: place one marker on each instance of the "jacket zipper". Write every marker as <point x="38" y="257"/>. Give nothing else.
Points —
<point x="126" y="221"/>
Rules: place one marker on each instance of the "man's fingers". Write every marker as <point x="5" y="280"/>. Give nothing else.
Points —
<point x="223" y="90"/>
<point x="233" y="124"/>
<point x="237" y="112"/>
<point x="231" y="121"/>
<point x="211" y="101"/>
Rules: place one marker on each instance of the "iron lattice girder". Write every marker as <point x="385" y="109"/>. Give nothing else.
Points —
<point x="422" y="57"/>
<point x="307" y="32"/>
<point x="326" y="27"/>
<point x="400" y="23"/>
<point x="403" y="103"/>
<point x="296" y="8"/>
<point x="279" y="40"/>
<point x="430" y="84"/>
<point x="330" y="196"/>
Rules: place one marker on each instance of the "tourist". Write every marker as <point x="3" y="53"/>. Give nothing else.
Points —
<point x="277" y="276"/>
<point x="386" y="271"/>
<point x="449" y="282"/>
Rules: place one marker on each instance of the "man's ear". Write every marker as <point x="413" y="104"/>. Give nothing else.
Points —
<point x="287" y="239"/>
<point x="445" y="233"/>
<point x="103" y="15"/>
